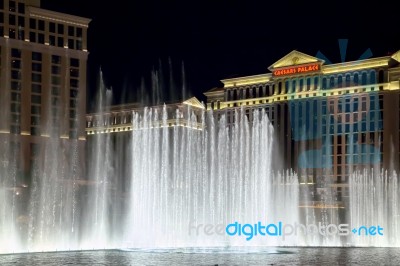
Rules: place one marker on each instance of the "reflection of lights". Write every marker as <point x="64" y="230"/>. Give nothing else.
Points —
<point x="17" y="193"/>
<point x="24" y="185"/>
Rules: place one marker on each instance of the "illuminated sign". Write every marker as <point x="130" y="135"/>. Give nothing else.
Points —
<point x="299" y="69"/>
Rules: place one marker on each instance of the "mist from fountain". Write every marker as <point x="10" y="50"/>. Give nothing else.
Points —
<point x="180" y="169"/>
<point x="374" y="200"/>
<point x="183" y="176"/>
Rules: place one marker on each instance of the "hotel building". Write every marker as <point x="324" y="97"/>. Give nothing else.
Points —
<point x="43" y="61"/>
<point x="329" y="120"/>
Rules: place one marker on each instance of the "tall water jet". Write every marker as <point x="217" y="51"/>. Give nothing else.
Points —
<point x="374" y="201"/>
<point x="53" y="202"/>
<point x="98" y="211"/>
<point x="196" y="170"/>
<point x="9" y="193"/>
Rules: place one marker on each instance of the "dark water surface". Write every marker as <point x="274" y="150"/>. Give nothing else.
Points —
<point x="265" y="256"/>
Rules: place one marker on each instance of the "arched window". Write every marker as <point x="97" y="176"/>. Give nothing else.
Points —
<point x="212" y="105"/>
<point x="235" y="94"/>
<point x="254" y="92"/>
<point x="316" y="79"/>
<point x="355" y="79"/>
<point x="241" y="94"/>
<point x="324" y="84"/>
<point x="273" y="89"/>
<point x="218" y="105"/>
<point x="293" y="86"/>
<point x="308" y="84"/>
<point x="381" y="76"/>
<point x="340" y="81"/>
<point x="280" y="87"/>
<point x="260" y="91"/>
<point x="267" y="91"/>
<point x="364" y="78"/>
<point x="301" y="84"/>
<point x="286" y="86"/>
<point x="372" y="77"/>
<point x="332" y="82"/>
<point x="247" y="93"/>
<point x="348" y="80"/>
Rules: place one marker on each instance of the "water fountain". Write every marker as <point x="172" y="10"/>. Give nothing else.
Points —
<point x="181" y="169"/>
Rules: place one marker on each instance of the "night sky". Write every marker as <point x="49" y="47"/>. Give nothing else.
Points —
<point x="221" y="39"/>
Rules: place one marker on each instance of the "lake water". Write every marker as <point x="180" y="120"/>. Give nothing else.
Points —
<point x="264" y="256"/>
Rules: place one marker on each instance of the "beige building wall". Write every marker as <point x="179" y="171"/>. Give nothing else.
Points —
<point x="43" y="65"/>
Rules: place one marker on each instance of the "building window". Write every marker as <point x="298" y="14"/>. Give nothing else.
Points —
<point x="32" y="23"/>
<point x="37" y="67"/>
<point x="52" y="27"/>
<point x="73" y="103"/>
<point x="372" y="77"/>
<point x="15" y="97"/>
<point x="348" y="80"/>
<point x="364" y="78"/>
<point x="55" y="91"/>
<point x="55" y="70"/>
<point x="16" y="53"/>
<point x="32" y="36"/>
<point x="15" y="129"/>
<point x="79" y="32"/>
<point x="340" y="81"/>
<point x="11" y="19"/>
<point x="35" y="120"/>
<point x="71" y="31"/>
<point x="71" y="44"/>
<point x="16" y="64"/>
<point x="78" y="45"/>
<point x="15" y="108"/>
<point x="16" y="74"/>
<point x="55" y="59"/>
<point x="75" y="73"/>
<point x="21" y="21"/>
<point x="74" y="94"/>
<point x="41" y="25"/>
<point x="332" y="82"/>
<point x="52" y="40"/>
<point x="36" y="88"/>
<point x="41" y="38"/>
<point x="381" y="76"/>
<point x="36" y="56"/>
<point x="60" y="29"/>
<point x="35" y="131"/>
<point x="60" y="42"/>
<point x="36" y="99"/>
<point x="355" y="79"/>
<point x="36" y="77"/>
<point x="55" y="80"/>
<point x="21" y="8"/>
<point x="74" y="62"/>
<point x="15" y="85"/>
<point x="12" y="6"/>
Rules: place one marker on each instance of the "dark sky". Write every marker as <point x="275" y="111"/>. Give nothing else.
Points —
<point x="221" y="39"/>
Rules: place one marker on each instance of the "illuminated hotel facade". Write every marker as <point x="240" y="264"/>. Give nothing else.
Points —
<point x="329" y="120"/>
<point x="43" y="61"/>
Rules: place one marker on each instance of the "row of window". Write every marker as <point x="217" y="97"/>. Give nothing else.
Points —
<point x="305" y="84"/>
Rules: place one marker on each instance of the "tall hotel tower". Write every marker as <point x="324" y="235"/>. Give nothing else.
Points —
<point x="43" y="59"/>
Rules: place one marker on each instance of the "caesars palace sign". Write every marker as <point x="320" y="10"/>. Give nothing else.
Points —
<point x="299" y="69"/>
